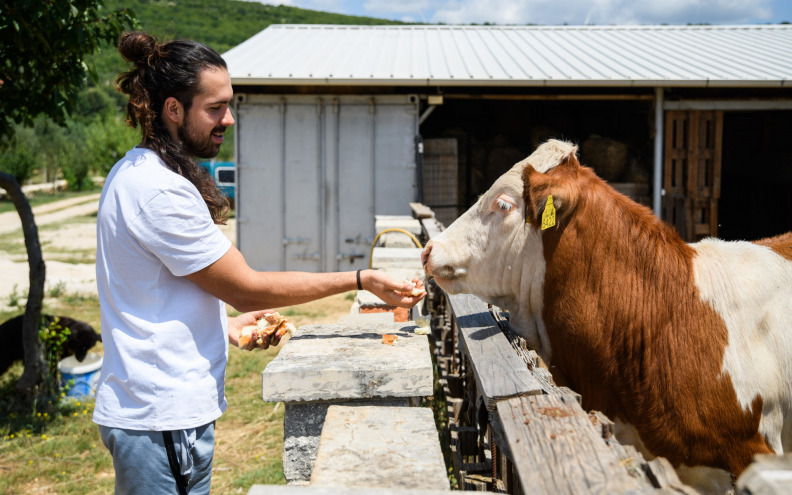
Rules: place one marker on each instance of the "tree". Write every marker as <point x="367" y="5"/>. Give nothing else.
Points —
<point x="44" y="45"/>
<point x="35" y="367"/>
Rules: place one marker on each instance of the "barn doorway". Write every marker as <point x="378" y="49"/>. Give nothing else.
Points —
<point x="471" y="140"/>
<point x="756" y="191"/>
<point x="727" y="174"/>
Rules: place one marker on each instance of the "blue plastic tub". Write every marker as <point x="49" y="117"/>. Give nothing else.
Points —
<point x="85" y="375"/>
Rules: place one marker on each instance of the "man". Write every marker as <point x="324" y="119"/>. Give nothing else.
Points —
<point x="165" y="271"/>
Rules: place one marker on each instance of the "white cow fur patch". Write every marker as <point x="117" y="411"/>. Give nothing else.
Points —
<point x="750" y="286"/>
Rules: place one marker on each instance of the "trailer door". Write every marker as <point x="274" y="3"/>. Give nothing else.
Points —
<point x="312" y="173"/>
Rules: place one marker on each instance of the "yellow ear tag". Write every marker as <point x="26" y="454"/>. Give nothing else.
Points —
<point x="548" y="217"/>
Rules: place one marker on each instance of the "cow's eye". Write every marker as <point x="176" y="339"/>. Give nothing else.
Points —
<point x="504" y="203"/>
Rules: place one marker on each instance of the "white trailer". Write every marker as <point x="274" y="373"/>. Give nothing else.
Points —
<point x="312" y="172"/>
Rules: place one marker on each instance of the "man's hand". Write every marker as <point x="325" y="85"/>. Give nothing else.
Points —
<point x="236" y="324"/>
<point x="390" y="291"/>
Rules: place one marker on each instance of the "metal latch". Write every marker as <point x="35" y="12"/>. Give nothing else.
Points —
<point x="296" y="240"/>
<point x="359" y="239"/>
<point x="352" y="256"/>
<point x="306" y="256"/>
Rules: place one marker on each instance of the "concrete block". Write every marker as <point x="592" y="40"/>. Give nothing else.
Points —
<point x="380" y="447"/>
<point x="408" y="223"/>
<point x="394" y="231"/>
<point x="367" y="303"/>
<point x="400" y="263"/>
<point x="371" y="318"/>
<point x="344" y="361"/>
<point x="398" y="258"/>
<point x="366" y="298"/>
<point x="302" y="427"/>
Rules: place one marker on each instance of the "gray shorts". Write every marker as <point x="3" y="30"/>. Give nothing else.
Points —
<point x="141" y="461"/>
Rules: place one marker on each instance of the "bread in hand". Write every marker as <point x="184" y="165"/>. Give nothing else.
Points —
<point x="416" y="291"/>
<point x="270" y="324"/>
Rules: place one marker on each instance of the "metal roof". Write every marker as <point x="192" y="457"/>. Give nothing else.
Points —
<point x="530" y="56"/>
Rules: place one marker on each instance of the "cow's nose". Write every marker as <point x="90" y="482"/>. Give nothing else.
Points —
<point x="425" y="254"/>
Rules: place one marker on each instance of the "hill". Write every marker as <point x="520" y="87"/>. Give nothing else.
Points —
<point x="95" y="135"/>
<point x="220" y="24"/>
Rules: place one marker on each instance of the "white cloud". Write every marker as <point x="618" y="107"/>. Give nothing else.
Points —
<point x="404" y="6"/>
<point x="323" y="5"/>
<point x="405" y="10"/>
<point x="601" y="12"/>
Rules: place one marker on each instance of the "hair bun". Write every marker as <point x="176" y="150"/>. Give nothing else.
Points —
<point x="138" y="47"/>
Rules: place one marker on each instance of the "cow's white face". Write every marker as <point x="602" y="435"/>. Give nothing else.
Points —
<point x="492" y="252"/>
<point x="480" y="252"/>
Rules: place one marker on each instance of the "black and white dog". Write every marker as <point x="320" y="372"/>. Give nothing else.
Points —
<point x="81" y="339"/>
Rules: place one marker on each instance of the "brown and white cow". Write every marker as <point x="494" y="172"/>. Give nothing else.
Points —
<point x="688" y="347"/>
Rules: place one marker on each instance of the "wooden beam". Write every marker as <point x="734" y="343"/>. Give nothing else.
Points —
<point x="499" y="371"/>
<point x="551" y="97"/>
<point x="557" y="450"/>
<point x="731" y="105"/>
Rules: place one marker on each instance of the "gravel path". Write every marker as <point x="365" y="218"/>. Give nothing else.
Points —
<point x="57" y="211"/>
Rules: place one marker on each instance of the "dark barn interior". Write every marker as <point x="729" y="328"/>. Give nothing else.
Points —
<point x="477" y="138"/>
<point x="756" y="190"/>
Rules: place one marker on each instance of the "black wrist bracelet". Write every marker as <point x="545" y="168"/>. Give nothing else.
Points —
<point x="360" y="286"/>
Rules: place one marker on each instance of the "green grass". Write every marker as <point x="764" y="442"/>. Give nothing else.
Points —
<point x="61" y="452"/>
<point x="53" y="447"/>
<point x="58" y="449"/>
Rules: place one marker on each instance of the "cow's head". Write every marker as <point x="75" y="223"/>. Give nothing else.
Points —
<point x="493" y="253"/>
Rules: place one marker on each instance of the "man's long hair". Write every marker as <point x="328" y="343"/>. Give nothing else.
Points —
<point x="162" y="70"/>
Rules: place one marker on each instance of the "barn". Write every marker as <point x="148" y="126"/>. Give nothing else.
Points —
<point x="337" y="124"/>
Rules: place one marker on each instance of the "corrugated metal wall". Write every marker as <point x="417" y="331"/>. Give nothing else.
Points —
<point x="314" y="170"/>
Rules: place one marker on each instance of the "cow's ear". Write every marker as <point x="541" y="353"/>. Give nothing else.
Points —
<point x="569" y="163"/>
<point x="558" y="185"/>
<point x="532" y="182"/>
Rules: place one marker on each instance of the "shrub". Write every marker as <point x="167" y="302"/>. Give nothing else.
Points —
<point x="19" y="159"/>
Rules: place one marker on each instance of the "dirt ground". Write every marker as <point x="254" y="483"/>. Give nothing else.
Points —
<point x="60" y="235"/>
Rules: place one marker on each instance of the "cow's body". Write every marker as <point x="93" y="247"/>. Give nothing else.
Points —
<point x="687" y="345"/>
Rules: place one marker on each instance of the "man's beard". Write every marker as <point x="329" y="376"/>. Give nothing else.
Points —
<point x="196" y="145"/>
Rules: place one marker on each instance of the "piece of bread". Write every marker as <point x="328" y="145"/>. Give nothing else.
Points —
<point x="245" y="335"/>
<point x="415" y="291"/>
<point x="269" y="324"/>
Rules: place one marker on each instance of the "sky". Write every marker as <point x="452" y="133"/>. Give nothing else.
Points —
<point x="553" y="12"/>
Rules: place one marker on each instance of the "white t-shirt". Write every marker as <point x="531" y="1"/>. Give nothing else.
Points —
<point x="165" y="338"/>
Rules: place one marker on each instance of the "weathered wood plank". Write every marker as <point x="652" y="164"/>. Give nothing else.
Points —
<point x="556" y="449"/>
<point x="657" y="473"/>
<point x="662" y="474"/>
<point x="499" y="371"/>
